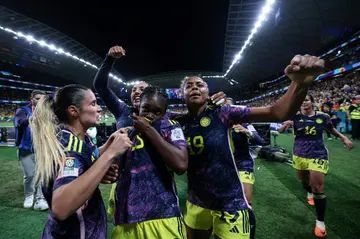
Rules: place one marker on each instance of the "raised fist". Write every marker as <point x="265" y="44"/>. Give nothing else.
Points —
<point x="304" y="69"/>
<point x="116" y="52"/>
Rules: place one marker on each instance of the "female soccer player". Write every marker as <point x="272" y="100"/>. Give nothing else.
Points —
<point x="310" y="156"/>
<point x="146" y="202"/>
<point x="242" y="135"/>
<point x="69" y="166"/>
<point x="116" y="106"/>
<point x="215" y="193"/>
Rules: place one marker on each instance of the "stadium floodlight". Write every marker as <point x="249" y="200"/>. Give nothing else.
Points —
<point x="57" y="50"/>
<point x="260" y="20"/>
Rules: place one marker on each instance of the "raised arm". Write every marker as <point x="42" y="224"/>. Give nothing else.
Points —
<point x="101" y="83"/>
<point x="302" y="71"/>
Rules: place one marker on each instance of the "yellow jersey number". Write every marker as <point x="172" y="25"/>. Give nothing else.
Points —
<point x="196" y="145"/>
<point x="310" y="131"/>
<point x="139" y="143"/>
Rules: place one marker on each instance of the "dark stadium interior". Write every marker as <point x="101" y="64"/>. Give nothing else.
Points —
<point x="45" y="45"/>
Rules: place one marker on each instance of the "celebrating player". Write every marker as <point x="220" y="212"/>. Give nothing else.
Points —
<point x="146" y="202"/>
<point x="215" y="193"/>
<point x="241" y="135"/>
<point x="310" y="156"/>
<point x="116" y="106"/>
<point x="69" y="166"/>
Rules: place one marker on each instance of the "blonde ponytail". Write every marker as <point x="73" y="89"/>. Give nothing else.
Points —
<point x="49" y="152"/>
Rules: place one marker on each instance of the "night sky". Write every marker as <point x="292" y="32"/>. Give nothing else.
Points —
<point x="159" y="36"/>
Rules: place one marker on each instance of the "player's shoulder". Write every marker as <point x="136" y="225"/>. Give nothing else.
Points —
<point x="320" y="114"/>
<point x="169" y="123"/>
<point x="297" y="116"/>
<point x="70" y="142"/>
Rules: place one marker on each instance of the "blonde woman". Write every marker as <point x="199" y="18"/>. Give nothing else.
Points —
<point x="69" y="166"/>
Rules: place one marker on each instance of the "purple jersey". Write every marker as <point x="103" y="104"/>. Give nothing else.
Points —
<point x="89" y="221"/>
<point x="308" y="133"/>
<point x="243" y="159"/>
<point x="146" y="188"/>
<point x="213" y="179"/>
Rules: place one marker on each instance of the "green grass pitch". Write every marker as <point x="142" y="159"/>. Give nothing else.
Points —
<point x="278" y="200"/>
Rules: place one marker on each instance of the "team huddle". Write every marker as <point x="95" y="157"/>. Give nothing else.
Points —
<point x="210" y="143"/>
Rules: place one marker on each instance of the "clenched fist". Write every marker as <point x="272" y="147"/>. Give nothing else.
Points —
<point x="116" y="52"/>
<point x="304" y="69"/>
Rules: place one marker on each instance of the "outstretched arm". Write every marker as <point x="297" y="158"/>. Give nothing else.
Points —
<point x="346" y="141"/>
<point x="302" y="71"/>
<point x="101" y="83"/>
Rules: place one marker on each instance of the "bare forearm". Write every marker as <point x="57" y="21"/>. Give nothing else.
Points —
<point x="103" y="148"/>
<point x="174" y="157"/>
<point x="283" y="128"/>
<point x="283" y="109"/>
<point x="336" y="133"/>
<point x="70" y="197"/>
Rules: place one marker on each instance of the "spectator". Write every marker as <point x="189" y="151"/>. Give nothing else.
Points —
<point x="354" y="113"/>
<point x="26" y="153"/>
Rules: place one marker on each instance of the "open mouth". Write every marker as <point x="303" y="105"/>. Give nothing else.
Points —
<point x="137" y="98"/>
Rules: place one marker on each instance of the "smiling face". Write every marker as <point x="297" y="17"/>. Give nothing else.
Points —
<point x="196" y="91"/>
<point x="136" y="92"/>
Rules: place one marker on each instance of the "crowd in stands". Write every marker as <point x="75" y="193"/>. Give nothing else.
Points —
<point x="7" y="111"/>
<point x="338" y="92"/>
<point x="177" y="108"/>
<point x="335" y="64"/>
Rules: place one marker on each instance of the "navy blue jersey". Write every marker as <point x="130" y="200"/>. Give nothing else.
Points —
<point x="213" y="179"/>
<point x="146" y="188"/>
<point x="308" y="133"/>
<point x="89" y="221"/>
<point x="243" y="159"/>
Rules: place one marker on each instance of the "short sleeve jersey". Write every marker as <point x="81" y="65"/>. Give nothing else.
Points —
<point x="146" y="188"/>
<point x="213" y="179"/>
<point x="308" y="133"/>
<point x="89" y="221"/>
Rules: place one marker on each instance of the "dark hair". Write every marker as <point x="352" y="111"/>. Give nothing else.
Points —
<point x="64" y="97"/>
<point x="36" y="92"/>
<point x="311" y="98"/>
<point x="155" y="91"/>
<point x="44" y="126"/>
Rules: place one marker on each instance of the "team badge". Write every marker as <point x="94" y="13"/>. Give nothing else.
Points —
<point x="177" y="134"/>
<point x="319" y="121"/>
<point x="69" y="163"/>
<point x="205" y="121"/>
<point x="70" y="168"/>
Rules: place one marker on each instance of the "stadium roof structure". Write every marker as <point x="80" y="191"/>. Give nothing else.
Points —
<point x="66" y="67"/>
<point x="171" y="79"/>
<point x="290" y="28"/>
